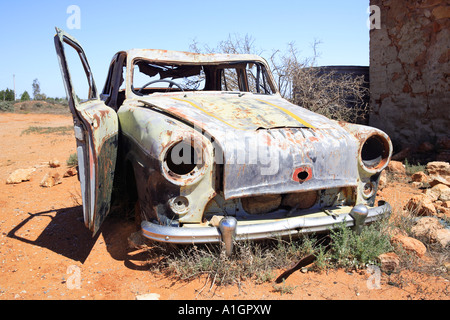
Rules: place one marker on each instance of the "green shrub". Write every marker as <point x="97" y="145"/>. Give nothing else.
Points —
<point x="350" y="250"/>
<point x="6" y="106"/>
<point x="73" y="160"/>
<point x="412" y="168"/>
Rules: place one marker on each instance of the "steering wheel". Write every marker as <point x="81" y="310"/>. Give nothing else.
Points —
<point x="172" y="83"/>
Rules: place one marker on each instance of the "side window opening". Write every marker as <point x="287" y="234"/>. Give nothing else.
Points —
<point x="80" y="79"/>
<point x="257" y="79"/>
<point x="249" y="78"/>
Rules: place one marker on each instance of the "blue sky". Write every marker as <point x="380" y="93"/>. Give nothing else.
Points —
<point x="27" y="30"/>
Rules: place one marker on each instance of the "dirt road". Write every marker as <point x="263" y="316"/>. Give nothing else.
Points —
<point x="47" y="253"/>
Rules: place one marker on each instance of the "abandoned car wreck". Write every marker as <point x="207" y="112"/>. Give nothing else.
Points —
<point x="211" y="152"/>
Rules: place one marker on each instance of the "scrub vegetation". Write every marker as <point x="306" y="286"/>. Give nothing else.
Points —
<point x="262" y="260"/>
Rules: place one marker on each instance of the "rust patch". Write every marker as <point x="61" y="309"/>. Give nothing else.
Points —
<point x="302" y="174"/>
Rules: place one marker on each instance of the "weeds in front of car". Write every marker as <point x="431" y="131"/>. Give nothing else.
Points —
<point x="350" y="250"/>
<point x="261" y="261"/>
<point x="256" y="260"/>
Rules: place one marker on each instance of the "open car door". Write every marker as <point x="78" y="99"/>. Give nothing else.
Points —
<point x="96" y="133"/>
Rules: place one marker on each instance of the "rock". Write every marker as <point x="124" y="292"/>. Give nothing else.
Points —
<point x="438" y="167"/>
<point x="417" y="184"/>
<point x="444" y="192"/>
<point x="54" y="163"/>
<point x="420" y="205"/>
<point x="419" y="176"/>
<point x="439" y="192"/>
<point x="438" y="180"/>
<point x="425" y="228"/>
<point x="431" y="194"/>
<point x="443" y="237"/>
<point x="383" y="180"/>
<point x="50" y="179"/>
<point x="70" y="172"/>
<point x="439" y="172"/>
<point x="442" y="212"/>
<point x="389" y="261"/>
<point x="396" y="167"/>
<point x="410" y="245"/>
<point x="20" y="175"/>
<point x="148" y="296"/>
<point x="430" y="230"/>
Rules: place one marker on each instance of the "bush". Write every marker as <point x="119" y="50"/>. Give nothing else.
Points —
<point x="350" y="250"/>
<point x="25" y="96"/>
<point x="6" y="106"/>
<point x="73" y="160"/>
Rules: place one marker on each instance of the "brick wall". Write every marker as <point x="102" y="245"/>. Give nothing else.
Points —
<point x="409" y="73"/>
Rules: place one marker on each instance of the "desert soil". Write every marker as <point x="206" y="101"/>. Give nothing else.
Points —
<point x="46" y="252"/>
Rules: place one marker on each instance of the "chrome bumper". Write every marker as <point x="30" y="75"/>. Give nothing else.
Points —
<point x="284" y="227"/>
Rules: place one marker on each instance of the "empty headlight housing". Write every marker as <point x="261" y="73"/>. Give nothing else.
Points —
<point x="184" y="161"/>
<point x="374" y="153"/>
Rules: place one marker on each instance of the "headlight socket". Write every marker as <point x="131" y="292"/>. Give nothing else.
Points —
<point x="184" y="161"/>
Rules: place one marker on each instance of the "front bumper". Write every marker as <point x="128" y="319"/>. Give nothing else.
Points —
<point x="260" y="229"/>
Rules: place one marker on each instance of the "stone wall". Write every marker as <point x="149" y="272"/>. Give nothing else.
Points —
<point x="409" y="74"/>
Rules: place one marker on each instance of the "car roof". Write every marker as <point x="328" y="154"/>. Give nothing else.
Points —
<point x="190" y="57"/>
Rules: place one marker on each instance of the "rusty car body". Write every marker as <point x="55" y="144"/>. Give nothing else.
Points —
<point x="211" y="152"/>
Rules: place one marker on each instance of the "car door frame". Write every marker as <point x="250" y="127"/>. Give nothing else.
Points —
<point x="96" y="133"/>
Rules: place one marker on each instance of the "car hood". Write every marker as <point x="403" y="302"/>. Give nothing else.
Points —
<point x="265" y="141"/>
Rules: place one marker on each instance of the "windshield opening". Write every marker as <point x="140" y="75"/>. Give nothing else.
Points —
<point x="246" y="76"/>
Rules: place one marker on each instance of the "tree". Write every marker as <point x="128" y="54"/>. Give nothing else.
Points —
<point x="7" y="95"/>
<point x="25" y="96"/>
<point x="37" y="95"/>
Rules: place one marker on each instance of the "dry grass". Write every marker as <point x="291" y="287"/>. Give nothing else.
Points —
<point x="261" y="261"/>
<point x="48" y="130"/>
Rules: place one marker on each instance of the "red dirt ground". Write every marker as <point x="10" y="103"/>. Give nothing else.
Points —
<point x="45" y="246"/>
